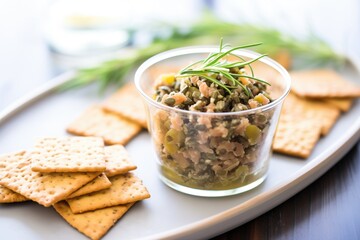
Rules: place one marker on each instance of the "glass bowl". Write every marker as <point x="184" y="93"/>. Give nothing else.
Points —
<point x="211" y="154"/>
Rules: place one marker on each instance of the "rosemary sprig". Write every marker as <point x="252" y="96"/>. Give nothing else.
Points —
<point x="216" y="63"/>
<point x="312" y="51"/>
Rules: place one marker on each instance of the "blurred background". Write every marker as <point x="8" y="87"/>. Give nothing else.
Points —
<point x="41" y="39"/>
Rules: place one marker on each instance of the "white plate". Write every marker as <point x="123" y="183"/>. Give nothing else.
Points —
<point x="168" y="213"/>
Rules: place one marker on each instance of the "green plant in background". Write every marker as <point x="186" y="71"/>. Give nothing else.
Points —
<point x="309" y="52"/>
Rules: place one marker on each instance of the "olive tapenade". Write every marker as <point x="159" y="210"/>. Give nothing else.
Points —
<point x="212" y="151"/>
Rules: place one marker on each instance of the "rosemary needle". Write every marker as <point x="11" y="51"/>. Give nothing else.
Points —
<point x="215" y="63"/>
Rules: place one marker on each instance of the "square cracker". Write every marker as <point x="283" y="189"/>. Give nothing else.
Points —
<point x="117" y="160"/>
<point x="125" y="188"/>
<point x="44" y="188"/>
<point x="68" y="154"/>
<point x="9" y="196"/>
<point x="296" y="137"/>
<point x="322" y="83"/>
<point x="6" y="160"/>
<point x="93" y="224"/>
<point x="301" y="124"/>
<point x="101" y="182"/>
<point x="112" y="128"/>
<point x="127" y="102"/>
<point x="318" y="112"/>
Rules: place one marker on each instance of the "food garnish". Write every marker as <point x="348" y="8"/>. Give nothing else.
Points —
<point x="215" y="84"/>
<point x="216" y="64"/>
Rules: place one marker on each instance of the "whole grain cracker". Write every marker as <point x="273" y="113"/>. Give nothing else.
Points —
<point x="322" y="83"/>
<point x="296" y="137"/>
<point x="94" y="224"/>
<point x="117" y="160"/>
<point x="9" y="196"/>
<point x="101" y="182"/>
<point x="68" y="154"/>
<point x="344" y="104"/>
<point x="44" y="188"/>
<point x="128" y="103"/>
<point x="112" y="128"/>
<point x="125" y="188"/>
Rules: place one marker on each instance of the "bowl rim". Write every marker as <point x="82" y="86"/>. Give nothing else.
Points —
<point x="210" y="49"/>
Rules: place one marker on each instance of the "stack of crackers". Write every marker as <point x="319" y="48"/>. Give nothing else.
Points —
<point x="317" y="99"/>
<point x="117" y="120"/>
<point x="88" y="184"/>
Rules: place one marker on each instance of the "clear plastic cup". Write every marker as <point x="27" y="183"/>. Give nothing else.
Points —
<point x="211" y="154"/>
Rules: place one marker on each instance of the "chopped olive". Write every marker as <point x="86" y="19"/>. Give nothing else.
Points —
<point x="170" y="147"/>
<point x="169" y="101"/>
<point x="212" y="151"/>
<point x="253" y="134"/>
<point x="175" y="137"/>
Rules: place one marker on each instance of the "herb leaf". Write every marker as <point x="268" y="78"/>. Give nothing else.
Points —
<point x="215" y="63"/>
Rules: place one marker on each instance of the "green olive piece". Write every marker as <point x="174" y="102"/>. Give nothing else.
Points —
<point x="196" y="94"/>
<point x="260" y="98"/>
<point x="261" y="118"/>
<point x="169" y="101"/>
<point x="235" y="70"/>
<point x="253" y="134"/>
<point x="173" y="140"/>
<point x="174" y="136"/>
<point x="170" y="148"/>
<point x="166" y="124"/>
